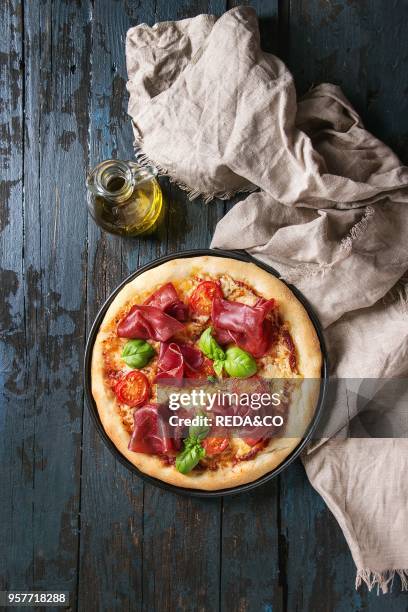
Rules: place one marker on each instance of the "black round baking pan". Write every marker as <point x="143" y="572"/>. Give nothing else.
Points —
<point x="242" y="256"/>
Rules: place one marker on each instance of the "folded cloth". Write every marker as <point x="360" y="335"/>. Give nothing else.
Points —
<point x="219" y="116"/>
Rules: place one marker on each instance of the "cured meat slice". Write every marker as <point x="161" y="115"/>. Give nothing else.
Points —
<point x="246" y="326"/>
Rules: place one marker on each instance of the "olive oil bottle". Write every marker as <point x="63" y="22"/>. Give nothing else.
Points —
<point x="125" y="198"/>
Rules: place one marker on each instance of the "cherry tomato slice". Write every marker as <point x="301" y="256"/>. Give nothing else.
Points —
<point x="202" y="297"/>
<point x="215" y="446"/>
<point x="252" y="441"/>
<point x="133" y="388"/>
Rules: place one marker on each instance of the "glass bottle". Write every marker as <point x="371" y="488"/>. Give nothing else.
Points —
<point x="124" y="198"/>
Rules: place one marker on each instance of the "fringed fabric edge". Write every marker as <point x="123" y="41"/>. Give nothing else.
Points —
<point x="311" y="269"/>
<point x="358" y="229"/>
<point x="305" y="270"/>
<point x="382" y="580"/>
<point x="144" y="160"/>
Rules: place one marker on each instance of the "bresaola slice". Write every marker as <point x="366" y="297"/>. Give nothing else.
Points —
<point x="192" y="357"/>
<point x="178" y="310"/>
<point x="246" y="326"/>
<point x="150" y="432"/>
<point x="159" y="318"/>
<point x="171" y="363"/>
<point x="148" y="323"/>
<point x="167" y="299"/>
<point x="177" y="360"/>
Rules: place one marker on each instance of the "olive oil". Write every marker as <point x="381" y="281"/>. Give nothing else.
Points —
<point x="125" y="198"/>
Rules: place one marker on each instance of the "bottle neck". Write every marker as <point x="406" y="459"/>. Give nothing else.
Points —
<point x="113" y="180"/>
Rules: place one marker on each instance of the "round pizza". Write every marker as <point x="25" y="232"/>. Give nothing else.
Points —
<point x="193" y="328"/>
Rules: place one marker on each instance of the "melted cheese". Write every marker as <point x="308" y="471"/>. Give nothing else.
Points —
<point x="239" y="447"/>
<point x="237" y="292"/>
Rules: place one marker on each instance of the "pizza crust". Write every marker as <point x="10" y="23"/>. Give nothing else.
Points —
<point x="309" y="359"/>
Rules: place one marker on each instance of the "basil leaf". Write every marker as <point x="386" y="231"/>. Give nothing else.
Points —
<point x="210" y="347"/>
<point x="218" y="367"/>
<point x="137" y="353"/>
<point x="189" y="457"/>
<point x="239" y="363"/>
<point x="198" y="432"/>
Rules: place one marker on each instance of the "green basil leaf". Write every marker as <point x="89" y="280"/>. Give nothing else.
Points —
<point x="204" y="342"/>
<point x="189" y="457"/>
<point x="137" y="353"/>
<point x="189" y="443"/>
<point x="210" y="347"/>
<point x="212" y="379"/>
<point x="218" y="367"/>
<point x="198" y="432"/>
<point x="239" y="363"/>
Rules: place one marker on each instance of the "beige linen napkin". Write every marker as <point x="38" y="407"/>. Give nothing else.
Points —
<point x="219" y="116"/>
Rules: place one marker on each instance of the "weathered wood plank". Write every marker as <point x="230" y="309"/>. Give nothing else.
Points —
<point x="252" y="576"/>
<point x="15" y="534"/>
<point x="61" y="93"/>
<point x="348" y="43"/>
<point x="112" y="498"/>
<point x="46" y="400"/>
<point x="320" y="573"/>
<point x="386" y="109"/>
<point x="326" y="43"/>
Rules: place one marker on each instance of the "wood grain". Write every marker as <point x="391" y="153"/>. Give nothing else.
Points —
<point x="361" y="47"/>
<point x="15" y="467"/>
<point x="47" y="325"/>
<point x="73" y="517"/>
<point x="111" y="555"/>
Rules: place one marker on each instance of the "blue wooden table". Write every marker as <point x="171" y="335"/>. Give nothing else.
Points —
<point x="72" y="517"/>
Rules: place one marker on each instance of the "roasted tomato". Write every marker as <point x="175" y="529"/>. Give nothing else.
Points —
<point x="252" y="441"/>
<point x="132" y="389"/>
<point x="202" y="297"/>
<point x="215" y="446"/>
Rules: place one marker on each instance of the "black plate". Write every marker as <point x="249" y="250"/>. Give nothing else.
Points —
<point x="242" y="256"/>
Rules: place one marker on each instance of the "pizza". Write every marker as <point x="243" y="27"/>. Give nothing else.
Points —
<point x="201" y="322"/>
